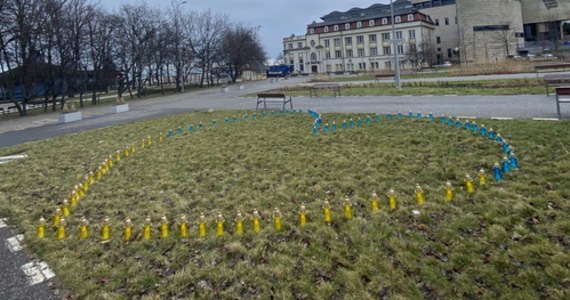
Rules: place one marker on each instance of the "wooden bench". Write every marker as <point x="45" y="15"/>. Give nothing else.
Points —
<point x="324" y="86"/>
<point x="562" y="96"/>
<point x="378" y="77"/>
<point x="275" y="97"/>
<point x="551" y="66"/>
<point x="555" y="80"/>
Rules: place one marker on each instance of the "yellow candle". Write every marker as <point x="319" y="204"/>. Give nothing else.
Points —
<point x="127" y="230"/>
<point x="86" y="184"/>
<point x="163" y="227"/>
<point x="118" y="156"/>
<point x="449" y="191"/>
<point x="149" y="140"/>
<point x="277" y="220"/>
<point x="133" y="149"/>
<point x="347" y="208"/>
<point x="392" y="198"/>
<point x="420" y="198"/>
<point x="219" y="225"/>
<point x="56" y="217"/>
<point x="374" y="202"/>
<point x="110" y="161"/>
<point x="65" y="209"/>
<point x="91" y="178"/>
<point x="147" y="229"/>
<point x="482" y="177"/>
<point x="469" y="184"/>
<point x="183" y="228"/>
<point x="142" y="144"/>
<point x="327" y="212"/>
<point x="80" y="193"/>
<point x="202" y="226"/>
<point x="302" y="215"/>
<point x="73" y="198"/>
<point x="41" y="231"/>
<point x="160" y="137"/>
<point x="84" y="229"/>
<point x="61" y="229"/>
<point x="256" y="222"/>
<point x="239" y="223"/>
<point x="126" y="152"/>
<point x="106" y="230"/>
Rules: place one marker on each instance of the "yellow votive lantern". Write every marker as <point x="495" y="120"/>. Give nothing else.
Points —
<point x="163" y="227"/>
<point x="277" y="220"/>
<point x="327" y="212"/>
<point x="469" y="184"/>
<point x="61" y="229"/>
<point x="239" y="223"/>
<point x="202" y="226"/>
<point x="83" y="229"/>
<point x="147" y="229"/>
<point x="220" y="225"/>
<point x="302" y="215"/>
<point x="449" y="191"/>
<point x="56" y="217"/>
<point x="127" y="230"/>
<point x="106" y="230"/>
<point x="347" y="208"/>
<point x="482" y="178"/>
<point x="374" y="202"/>
<point x="65" y="209"/>
<point x="392" y="198"/>
<point x="256" y="222"/>
<point x="41" y="230"/>
<point x="420" y="197"/>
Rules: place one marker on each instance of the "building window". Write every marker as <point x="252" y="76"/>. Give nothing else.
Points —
<point x="436" y="22"/>
<point x="412" y="34"/>
<point x="386" y="36"/>
<point x="398" y="19"/>
<point x="410" y="17"/>
<point x="313" y="56"/>
<point x="400" y="49"/>
<point x="361" y="53"/>
<point x="388" y="64"/>
<point x="372" y="38"/>
<point x="387" y="51"/>
<point x="360" y="39"/>
<point x="338" y="54"/>
<point x="374" y="51"/>
<point x="328" y="55"/>
<point x="337" y="42"/>
<point x="327" y="43"/>
<point x="312" y="43"/>
<point x="349" y="53"/>
<point x="348" y="41"/>
<point x="449" y="53"/>
<point x="358" y="24"/>
<point x="384" y="21"/>
<point x="446" y="21"/>
<point x="347" y="26"/>
<point x="335" y="28"/>
<point x="371" y="23"/>
<point x="438" y="40"/>
<point x="312" y="31"/>
<point x="290" y="45"/>
<point x="438" y="49"/>
<point x="326" y="29"/>
<point x="361" y="66"/>
<point x="398" y="35"/>
<point x="329" y="68"/>
<point x="299" y="44"/>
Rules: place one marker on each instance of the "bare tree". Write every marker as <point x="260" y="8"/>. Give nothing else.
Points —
<point x="241" y="48"/>
<point x="506" y="37"/>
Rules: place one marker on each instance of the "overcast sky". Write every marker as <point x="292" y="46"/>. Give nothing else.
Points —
<point x="276" y="18"/>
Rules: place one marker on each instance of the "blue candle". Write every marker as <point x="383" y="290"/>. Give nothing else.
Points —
<point x="326" y="128"/>
<point x="344" y="124"/>
<point x="280" y="113"/>
<point x="272" y="113"/>
<point x="214" y="123"/>
<point x="389" y="117"/>
<point x="458" y="124"/>
<point x="483" y="131"/>
<point x="491" y="134"/>
<point x="191" y="128"/>
<point x="227" y="120"/>
<point x="200" y="126"/>
<point x="170" y="133"/>
<point x="442" y="119"/>
<point x="334" y="126"/>
<point x="254" y="116"/>
<point x="300" y="110"/>
<point x="431" y="117"/>
<point x="235" y="119"/>
<point x="467" y="125"/>
<point x="499" y="138"/>
<point x="368" y="120"/>
<point x="497" y="172"/>
<point x="506" y="165"/>
<point x="287" y="112"/>
<point x="315" y="130"/>
<point x="377" y="118"/>
<point x="450" y="121"/>
<point x="180" y="130"/>
<point x="475" y="128"/>
<point x="410" y="115"/>
<point x="359" y="122"/>
<point x="514" y="161"/>
<point x="419" y="116"/>
<point x="351" y="122"/>
<point x="399" y="115"/>
<point x="506" y="147"/>
<point x="294" y="110"/>
<point x="263" y="114"/>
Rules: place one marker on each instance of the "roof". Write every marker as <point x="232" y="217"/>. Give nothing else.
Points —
<point x="360" y="14"/>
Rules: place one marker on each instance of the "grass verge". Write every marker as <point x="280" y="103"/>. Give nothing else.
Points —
<point x="508" y="240"/>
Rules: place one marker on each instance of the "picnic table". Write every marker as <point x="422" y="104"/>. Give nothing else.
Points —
<point x="335" y="87"/>
<point x="556" y="80"/>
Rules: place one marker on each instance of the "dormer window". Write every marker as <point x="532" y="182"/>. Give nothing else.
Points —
<point x="326" y="29"/>
<point x="398" y="19"/>
<point x="347" y="26"/>
<point x="410" y="17"/>
<point x="371" y="23"/>
<point x="312" y="31"/>
<point x="384" y="21"/>
<point x="358" y="24"/>
<point x="335" y="27"/>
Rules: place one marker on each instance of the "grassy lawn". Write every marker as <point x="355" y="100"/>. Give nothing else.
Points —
<point x="508" y="240"/>
<point x="479" y="87"/>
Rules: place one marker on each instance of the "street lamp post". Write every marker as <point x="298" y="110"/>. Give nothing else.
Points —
<point x="396" y="60"/>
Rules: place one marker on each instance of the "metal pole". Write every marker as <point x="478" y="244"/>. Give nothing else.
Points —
<point x="396" y="60"/>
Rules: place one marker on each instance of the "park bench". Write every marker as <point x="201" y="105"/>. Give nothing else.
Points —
<point x="280" y="98"/>
<point x="378" y="77"/>
<point x="562" y="96"/>
<point x="335" y="87"/>
<point x="556" y="80"/>
<point x="551" y="66"/>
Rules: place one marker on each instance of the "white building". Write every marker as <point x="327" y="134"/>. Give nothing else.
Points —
<point x="360" y="40"/>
